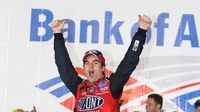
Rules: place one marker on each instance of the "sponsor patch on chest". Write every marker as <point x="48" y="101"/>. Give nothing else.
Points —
<point x="90" y="103"/>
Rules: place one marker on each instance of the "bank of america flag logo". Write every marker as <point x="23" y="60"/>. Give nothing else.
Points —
<point x="177" y="79"/>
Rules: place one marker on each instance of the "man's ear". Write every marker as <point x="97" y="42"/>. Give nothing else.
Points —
<point x="103" y="68"/>
<point x="158" y="106"/>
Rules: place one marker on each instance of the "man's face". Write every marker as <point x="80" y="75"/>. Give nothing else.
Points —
<point x="197" y="109"/>
<point x="93" y="68"/>
<point x="152" y="106"/>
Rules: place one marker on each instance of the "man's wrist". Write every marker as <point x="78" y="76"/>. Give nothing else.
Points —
<point x="56" y="31"/>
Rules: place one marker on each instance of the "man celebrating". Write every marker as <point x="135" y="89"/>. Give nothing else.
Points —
<point x="98" y="93"/>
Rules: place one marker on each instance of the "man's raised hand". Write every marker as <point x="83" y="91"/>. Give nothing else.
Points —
<point x="57" y="26"/>
<point x="144" y="22"/>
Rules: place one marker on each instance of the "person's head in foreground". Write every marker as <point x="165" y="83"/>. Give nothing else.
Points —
<point x="18" y="110"/>
<point x="154" y="103"/>
<point x="21" y="110"/>
<point x="197" y="106"/>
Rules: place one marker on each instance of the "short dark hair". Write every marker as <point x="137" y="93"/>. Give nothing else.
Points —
<point x="197" y="104"/>
<point x="158" y="99"/>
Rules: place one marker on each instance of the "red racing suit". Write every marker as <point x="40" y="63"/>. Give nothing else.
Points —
<point x="96" y="97"/>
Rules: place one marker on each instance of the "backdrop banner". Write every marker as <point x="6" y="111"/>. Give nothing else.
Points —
<point x="169" y="64"/>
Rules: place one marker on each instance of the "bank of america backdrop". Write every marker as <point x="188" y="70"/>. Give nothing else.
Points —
<point x="169" y="63"/>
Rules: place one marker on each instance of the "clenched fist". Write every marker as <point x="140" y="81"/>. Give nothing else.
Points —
<point x="57" y="26"/>
<point x="144" y="22"/>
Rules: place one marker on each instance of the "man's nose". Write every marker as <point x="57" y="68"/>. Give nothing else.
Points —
<point x="91" y="65"/>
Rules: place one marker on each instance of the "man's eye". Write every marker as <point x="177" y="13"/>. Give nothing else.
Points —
<point x="86" y="63"/>
<point x="96" y="62"/>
